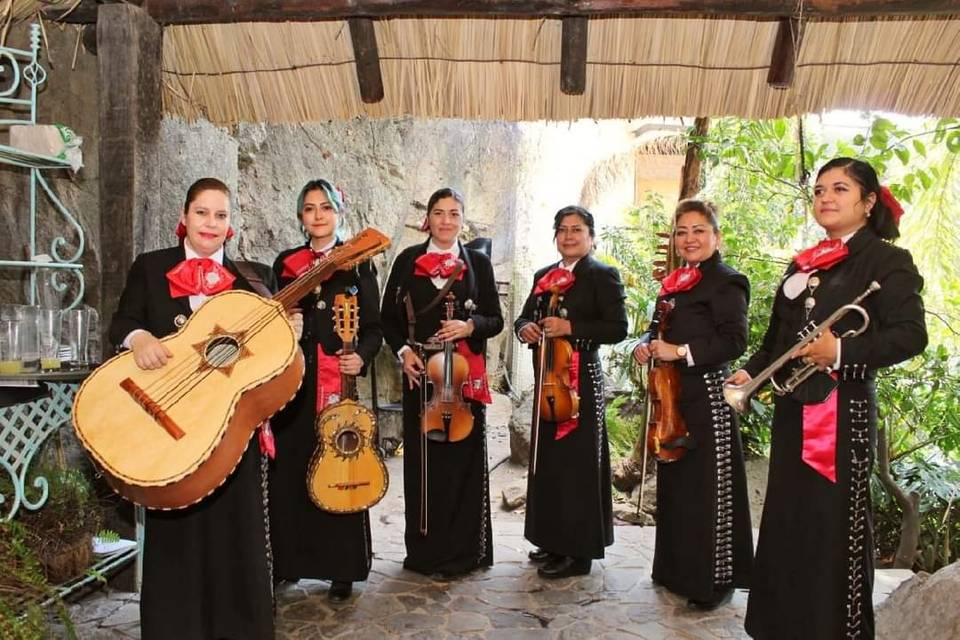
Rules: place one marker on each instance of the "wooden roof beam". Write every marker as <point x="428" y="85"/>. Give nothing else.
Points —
<point x="786" y="48"/>
<point x="573" y="56"/>
<point x="214" y="11"/>
<point x="367" y="58"/>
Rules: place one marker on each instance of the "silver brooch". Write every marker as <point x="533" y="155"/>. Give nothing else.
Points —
<point x="321" y="304"/>
<point x="180" y="320"/>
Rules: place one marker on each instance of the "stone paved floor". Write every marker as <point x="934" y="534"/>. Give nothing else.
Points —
<point x="507" y="601"/>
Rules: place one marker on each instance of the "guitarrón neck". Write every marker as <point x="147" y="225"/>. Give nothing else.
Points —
<point x="348" y="383"/>
<point x="296" y="290"/>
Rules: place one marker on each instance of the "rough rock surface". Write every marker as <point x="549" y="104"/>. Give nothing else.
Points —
<point x="925" y="606"/>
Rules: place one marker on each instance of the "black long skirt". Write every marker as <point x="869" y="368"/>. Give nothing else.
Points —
<point x="704" y="542"/>
<point x="205" y="568"/>
<point x="813" y="574"/>
<point x="569" y="501"/>
<point x="307" y="541"/>
<point x="459" y="536"/>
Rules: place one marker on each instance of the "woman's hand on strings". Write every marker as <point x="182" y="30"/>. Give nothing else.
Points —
<point x="451" y="330"/>
<point x="148" y="351"/>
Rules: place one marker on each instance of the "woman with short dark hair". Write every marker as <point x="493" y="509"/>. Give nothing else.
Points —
<point x="704" y="542"/>
<point x="569" y="504"/>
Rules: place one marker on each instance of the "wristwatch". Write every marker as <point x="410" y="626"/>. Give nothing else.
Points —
<point x="682" y="351"/>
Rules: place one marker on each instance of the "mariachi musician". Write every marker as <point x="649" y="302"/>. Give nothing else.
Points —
<point x="206" y="570"/>
<point x="446" y="486"/>
<point x="569" y="504"/>
<point x="307" y="541"/>
<point x="813" y="573"/>
<point x="704" y="543"/>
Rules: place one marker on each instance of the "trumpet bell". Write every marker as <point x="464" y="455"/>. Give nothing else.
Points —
<point x="737" y="397"/>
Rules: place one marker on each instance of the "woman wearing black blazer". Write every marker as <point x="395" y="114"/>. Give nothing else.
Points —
<point x="704" y="543"/>
<point x="307" y="541"/>
<point x="448" y="529"/>
<point x="569" y="504"/>
<point x="813" y="572"/>
<point x="206" y="570"/>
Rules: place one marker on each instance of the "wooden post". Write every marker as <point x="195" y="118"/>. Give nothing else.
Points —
<point x="573" y="56"/>
<point x="367" y="58"/>
<point x="690" y="178"/>
<point x="785" y="50"/>
<point x="128" y="47"/>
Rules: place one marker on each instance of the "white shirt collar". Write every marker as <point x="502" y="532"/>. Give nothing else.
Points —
<point x="326" y="247"/>
<point x="571" y="267"/>
<point x="432" y="248"/>
<point x="190" y="253"/>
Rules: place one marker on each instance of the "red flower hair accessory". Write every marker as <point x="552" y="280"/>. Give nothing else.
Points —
<point x="891" y="202"/>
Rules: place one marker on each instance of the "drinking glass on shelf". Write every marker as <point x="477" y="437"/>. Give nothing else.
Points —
<point x="28" y="321"/>
<point x="49" y="324"/>
<point x="94" y="352"/>
<point x="77" y="336"/>
<point x="10" y="363"/>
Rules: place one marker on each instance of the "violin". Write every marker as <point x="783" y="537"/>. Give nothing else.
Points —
<point x="446" y="415"/>
<point x="667" y="436"/>
<point x="556" y="399"/>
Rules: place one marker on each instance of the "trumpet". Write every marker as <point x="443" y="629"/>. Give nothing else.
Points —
<point x="738" y="396"/>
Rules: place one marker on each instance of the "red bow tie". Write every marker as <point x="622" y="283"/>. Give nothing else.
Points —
<point x="681" y="279"/>
<point x="295" y="264"/>
<point x="823" y="256"/>
<point x="198" y="276"/>
<point x="558" y="278"/>
<point x="438" y="265"/>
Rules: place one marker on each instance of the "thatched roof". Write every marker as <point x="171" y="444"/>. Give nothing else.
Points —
<point x="510" y="69"/>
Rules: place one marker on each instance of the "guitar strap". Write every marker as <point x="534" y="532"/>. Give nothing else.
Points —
<point x="253" y="278"/>
<point x="412" y="314"/>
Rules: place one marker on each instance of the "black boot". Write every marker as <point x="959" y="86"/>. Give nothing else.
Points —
<point x="565" y="566"/>
<point x="340" y="591"/>
<point x="542" y="556"/>
<point x="718" y="599"/>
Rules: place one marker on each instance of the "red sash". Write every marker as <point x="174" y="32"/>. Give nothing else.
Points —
<point x="476" y="387"/>
<point x="567" y="426"/>
<point x="328" y="379"/>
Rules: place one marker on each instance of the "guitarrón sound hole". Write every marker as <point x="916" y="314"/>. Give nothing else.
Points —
<point x="348" y="441"/>
<point x="221" y="351"/>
